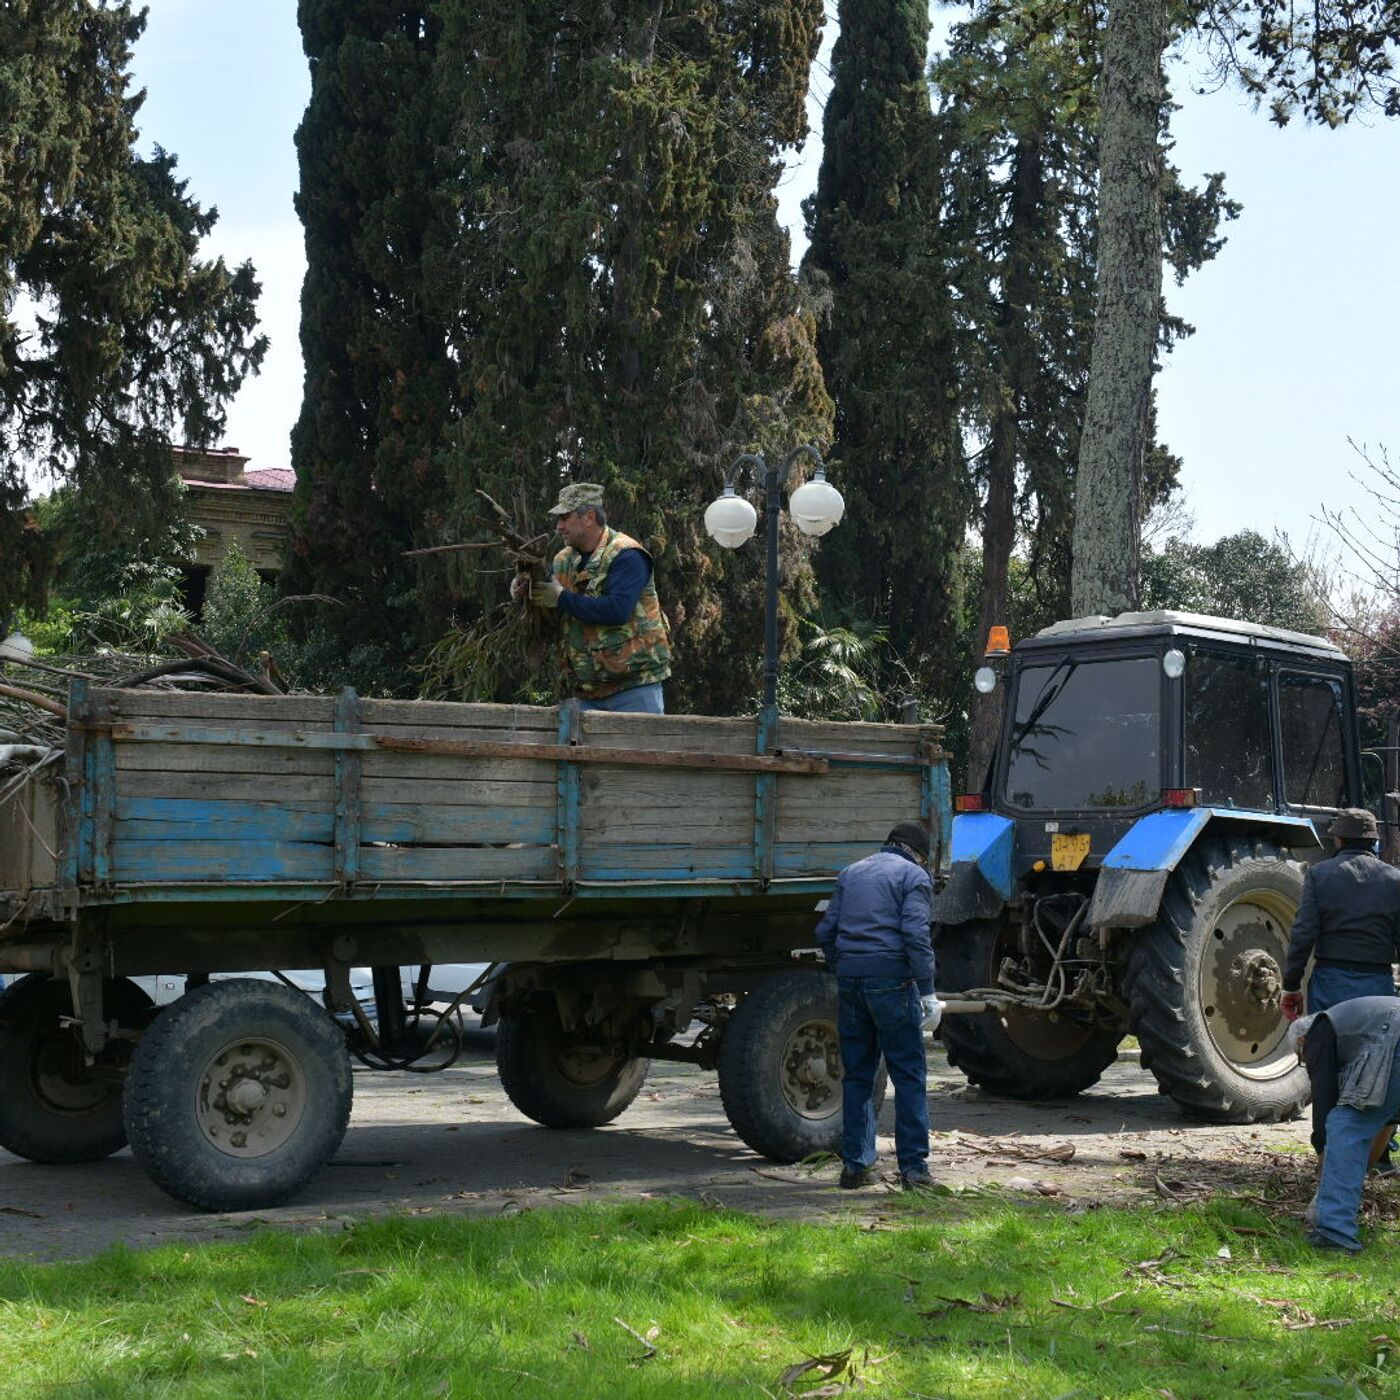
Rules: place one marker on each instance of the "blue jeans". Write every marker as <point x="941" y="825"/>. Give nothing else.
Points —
<point x="875" y="1016"/>
<point x="1329" y="985"/>
<point x="638" y="700"/>
<point x="1350" y="1132"/>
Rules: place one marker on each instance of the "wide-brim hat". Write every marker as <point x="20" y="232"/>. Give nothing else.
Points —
<point x="1354" y="824"/>
<point x="576" y="494"/>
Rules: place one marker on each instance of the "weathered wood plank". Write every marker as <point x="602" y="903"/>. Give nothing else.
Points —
<point x="313" y="711"/>
<point x="665" y="860"/>
<point x="232" y="787"/>
<point x="460" y="863"/>
<point x="459" y="792"/>
<point x="818" y="858"/>
<point x="166" y="862"/>
<point x="208" y="820"/>
<point x="408" y="824"/>
<point x="29" y="836"/>
<point x="218" y="759"/>
<point x="422" y="767"/>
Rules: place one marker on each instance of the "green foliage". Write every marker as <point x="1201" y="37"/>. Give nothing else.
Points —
<point x="545" y="250"/>
<point x="1242" y="576"/>
<point x="114" y="335"/>
<point x="849" y="673"/>
<point x="972" y="1296"/>
<point x="241" y="616"/>
<point x="886" y="344"/>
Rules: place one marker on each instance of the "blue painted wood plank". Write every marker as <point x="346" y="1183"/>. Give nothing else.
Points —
<point x="458" y="863"/>
<point x="409" y="824"/>
<point x="166" y="862"/>
<point x="188" y="819"/>
<point x="820" y="857"/>
<point x="665" y="860"/>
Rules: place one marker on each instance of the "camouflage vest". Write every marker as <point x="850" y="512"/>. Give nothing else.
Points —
<point x="607" y="659"/>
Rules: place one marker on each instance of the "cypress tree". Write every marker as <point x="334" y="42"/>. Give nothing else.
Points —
<point x="132" y="338"/>
<point x="379" y="388"/>
<point x="886" y="348"/>
<point x="625" y="310"/>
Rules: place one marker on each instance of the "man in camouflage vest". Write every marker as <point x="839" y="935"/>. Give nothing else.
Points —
<point x="616" y="642"/>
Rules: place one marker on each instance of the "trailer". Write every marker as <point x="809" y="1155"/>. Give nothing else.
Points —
<point x="627" y="876"/>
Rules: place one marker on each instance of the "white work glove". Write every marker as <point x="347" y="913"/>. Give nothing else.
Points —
<point x="520" y="587"/>
<point x="546" y="595"/>
<point x="933" y="1012"/>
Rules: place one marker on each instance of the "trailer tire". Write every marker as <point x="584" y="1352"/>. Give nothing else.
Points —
<point x="1203" y="981"/>
<point x="558" y="1080"/>
<point x="1015" y="1054"/>
<point x="780" y="1068"/>
<point x="54" y="1108"/>
<point x="238" y="1095"/>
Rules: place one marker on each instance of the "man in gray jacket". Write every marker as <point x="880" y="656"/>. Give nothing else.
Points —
<point x="875" y="934"/>
<point x="1367" y="1031"/>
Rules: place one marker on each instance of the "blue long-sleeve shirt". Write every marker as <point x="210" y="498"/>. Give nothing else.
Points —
<point x="877" y="923"/>
<point x="622" y="587"/>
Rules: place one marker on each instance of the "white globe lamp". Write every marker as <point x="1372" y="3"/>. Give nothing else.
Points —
<point x="816" y="506"/>
<point x="730" y="520"/>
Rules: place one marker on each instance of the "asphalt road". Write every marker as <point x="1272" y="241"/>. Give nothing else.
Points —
<point x="452" y="1143"/>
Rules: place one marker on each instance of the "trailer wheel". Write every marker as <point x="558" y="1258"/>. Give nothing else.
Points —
<point x="1203" y="985"/>
<point x="54" y="1107"/>
<point x="780" y="1068"/>
<point x="559" y="1080"/>
<point x="238" y="1095"/>
<point x="1017" y="1054"/>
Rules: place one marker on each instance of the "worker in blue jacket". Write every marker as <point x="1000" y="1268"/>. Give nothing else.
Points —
<point x="875" y="935"/>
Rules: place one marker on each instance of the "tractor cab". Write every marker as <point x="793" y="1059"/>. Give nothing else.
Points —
<point x="1133" y="860"/>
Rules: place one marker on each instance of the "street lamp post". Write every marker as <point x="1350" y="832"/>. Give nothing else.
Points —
<point x="816" y="507"/>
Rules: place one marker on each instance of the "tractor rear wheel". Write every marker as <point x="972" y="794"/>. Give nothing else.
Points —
<point x="1017" y="1054"/>
<point x="1204" y="981"/>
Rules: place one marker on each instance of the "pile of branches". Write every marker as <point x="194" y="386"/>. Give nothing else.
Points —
<point x="34" y="696"/>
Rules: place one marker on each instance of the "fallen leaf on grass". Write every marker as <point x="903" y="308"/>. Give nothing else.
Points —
<point x="251" y="1301"/>
<point x="1132" y="1154"/>
<point x="581" y="1341"/>
<point x="826" y="1368"/>
<point x="20" y="1210"/>
<point x="1034" y="1188"/>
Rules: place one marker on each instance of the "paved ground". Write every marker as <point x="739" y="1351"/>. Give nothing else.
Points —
<point x="452" y="1143"/>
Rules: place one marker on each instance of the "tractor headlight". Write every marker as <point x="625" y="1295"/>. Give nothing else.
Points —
<point x="985" y="680"/>
<point x="1174" y="663"/>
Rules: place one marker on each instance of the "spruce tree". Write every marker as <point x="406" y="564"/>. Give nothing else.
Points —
<point x="379" y="390"/>
<point x="886" y="346"/>
<point x="115" y="336"/>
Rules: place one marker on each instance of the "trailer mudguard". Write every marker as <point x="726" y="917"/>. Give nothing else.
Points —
<point x="1128" y="892"/>
<point x="980" y="881"/>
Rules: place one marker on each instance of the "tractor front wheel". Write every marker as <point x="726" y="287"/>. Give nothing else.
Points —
<point x="1204" y="982"/>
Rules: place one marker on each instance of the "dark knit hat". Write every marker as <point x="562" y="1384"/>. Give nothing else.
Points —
<point x="1354" y="824"/>
<point x="910" y="834"/>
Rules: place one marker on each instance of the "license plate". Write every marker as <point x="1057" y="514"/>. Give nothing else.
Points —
<point x="1067" y="851"/>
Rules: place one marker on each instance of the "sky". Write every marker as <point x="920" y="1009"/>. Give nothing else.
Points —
<point x="1297" y="344"/>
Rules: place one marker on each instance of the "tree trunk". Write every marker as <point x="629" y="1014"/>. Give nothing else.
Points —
<point x="1108" y="488"/>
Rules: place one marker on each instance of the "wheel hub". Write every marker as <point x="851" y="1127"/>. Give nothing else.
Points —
<point x="811" y="1070"/>
<point x="250" y="1097"/>
<point x="1241" y="983"/>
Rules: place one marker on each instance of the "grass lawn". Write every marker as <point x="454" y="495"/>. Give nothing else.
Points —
<point x="946" y="1297"/>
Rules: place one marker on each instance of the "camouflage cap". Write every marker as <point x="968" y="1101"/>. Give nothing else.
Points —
<point x="576" y="494"/>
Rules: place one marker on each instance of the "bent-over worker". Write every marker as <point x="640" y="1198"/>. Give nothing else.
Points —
<point x="875" y="935"/>
<point x="616" y="641"/>
<point x="1367" y="1046"/>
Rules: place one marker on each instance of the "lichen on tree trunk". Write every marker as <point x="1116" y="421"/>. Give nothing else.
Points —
<point x="1104" y="576"/>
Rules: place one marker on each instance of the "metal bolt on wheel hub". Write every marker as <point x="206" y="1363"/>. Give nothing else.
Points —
<point x="250" y="1097"/>
<point x="811" y="1074"/>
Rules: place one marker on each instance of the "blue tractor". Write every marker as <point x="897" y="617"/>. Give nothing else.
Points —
<point x="1134" y="860"/>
